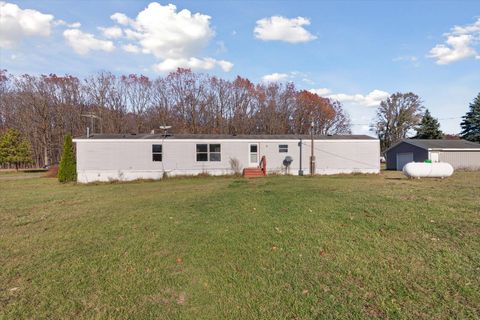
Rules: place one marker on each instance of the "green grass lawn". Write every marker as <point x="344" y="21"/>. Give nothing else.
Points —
<point x="354" y="246"/>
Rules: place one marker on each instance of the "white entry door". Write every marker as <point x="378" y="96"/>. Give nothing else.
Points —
<point x="434" y="156"/>
<point x="403" y="159"/>
<point x="253" y="155"/>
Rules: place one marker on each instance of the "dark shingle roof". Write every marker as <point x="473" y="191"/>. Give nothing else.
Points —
<point x="227" y="136"/>
<point x="442" y="144"/>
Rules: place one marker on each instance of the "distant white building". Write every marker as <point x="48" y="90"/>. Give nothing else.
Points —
<point x="107" y="157"/>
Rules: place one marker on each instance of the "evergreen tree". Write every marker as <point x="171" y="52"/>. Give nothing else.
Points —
<point x="429" y="128"/>
<point x="67" y="170"/>
<point x="14" y="149"/>
<point x="471" y="122"/>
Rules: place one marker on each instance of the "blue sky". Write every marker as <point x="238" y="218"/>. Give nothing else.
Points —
<point x="355" y="51"/>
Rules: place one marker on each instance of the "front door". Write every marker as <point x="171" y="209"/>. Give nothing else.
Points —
<point x="253" y="154"/>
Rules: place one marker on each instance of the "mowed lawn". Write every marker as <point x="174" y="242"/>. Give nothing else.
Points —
<point x="353" y="246"/>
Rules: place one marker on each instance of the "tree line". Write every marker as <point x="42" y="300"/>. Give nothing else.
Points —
<point x="37" y="112"/>
<point x="45" y="108"/>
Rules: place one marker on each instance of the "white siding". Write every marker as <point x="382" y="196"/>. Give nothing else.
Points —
<point x="461" y="159"/>
<point x="129" y="159"/>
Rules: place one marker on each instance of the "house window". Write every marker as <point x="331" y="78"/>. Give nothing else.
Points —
<point x="202" y="152"/>
<point x="209" y="152"/>
<point x="253" y="153"/>
<point x="283" y="148"/>
<point x="215" y="152"/>
<point x="156" y="152"/>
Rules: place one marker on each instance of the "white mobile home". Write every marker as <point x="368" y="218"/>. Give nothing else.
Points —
<point x="106" y="157"/>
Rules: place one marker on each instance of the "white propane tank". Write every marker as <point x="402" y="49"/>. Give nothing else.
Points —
<point x="428" y="170"/>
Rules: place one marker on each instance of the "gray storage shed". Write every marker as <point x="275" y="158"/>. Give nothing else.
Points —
<point x="461" y="154"/>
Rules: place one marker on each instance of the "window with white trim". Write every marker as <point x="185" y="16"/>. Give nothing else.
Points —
<point x="208" y="152"/>
<point x="283" y="148"/>
<point x="215" y="154"/>
<point x="156" y="152"/>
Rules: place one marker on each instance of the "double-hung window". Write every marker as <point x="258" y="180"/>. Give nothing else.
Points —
<point x="209" y="152"/>
<point x="156" y="152"/>
<point x="215" y="154"/>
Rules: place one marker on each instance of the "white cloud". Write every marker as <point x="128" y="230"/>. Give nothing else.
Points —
<point x="275" y="77"/>
<point x="308" y="80"/>
<point x="74" y="25"/>
<point x="111" y="32"/>
<point x="61" y="22"/>
<point x="458" y="48"/>
<point x="283" y="29"/>
<point x="406" y="58"/>
<point x="413" y="60"/>
<point x="372" y="99"/>
<point x="177" y="38"/>
<point x="468" y="29"/>
<point x="167" y="33"/>
<point x="225" y="65"/>
<point x="287" y="76"/>
<point x="121" y="18"/>
<point x="17" y="23"/>
<point x="83" y="42"/>
<point x="459" y="44"/>
<point x="221" y="47"/>
<point x="321" y="91"/>
<point x="131" y="48"/>
<point x="171" y="64"/>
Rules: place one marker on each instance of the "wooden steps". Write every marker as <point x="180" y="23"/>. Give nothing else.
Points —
<point x="252" y="172"/>
<point x="260" y="171"/>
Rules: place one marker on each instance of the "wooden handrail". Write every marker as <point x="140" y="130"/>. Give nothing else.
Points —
<point x="263" y="165"/>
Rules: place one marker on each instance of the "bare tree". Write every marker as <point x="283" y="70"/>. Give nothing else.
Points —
<point x="46" y="108"/>
<point x="396" y="117"/>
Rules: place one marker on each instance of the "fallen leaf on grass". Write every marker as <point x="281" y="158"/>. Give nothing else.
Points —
<point x="181" y="298"/>
<point x="179" y="260"/>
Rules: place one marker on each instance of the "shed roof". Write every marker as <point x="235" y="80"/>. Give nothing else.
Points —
<point x="224" y="137"/>
<point x="442" y="144"/>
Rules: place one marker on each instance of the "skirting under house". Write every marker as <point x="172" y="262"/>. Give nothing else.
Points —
<point x="106" y="157"/>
